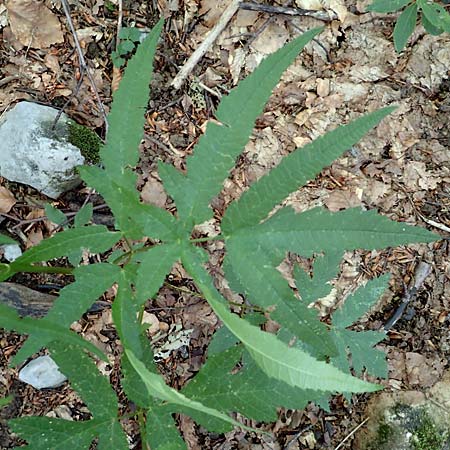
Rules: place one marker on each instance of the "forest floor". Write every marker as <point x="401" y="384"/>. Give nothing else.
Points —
<point x="401" y="169"/>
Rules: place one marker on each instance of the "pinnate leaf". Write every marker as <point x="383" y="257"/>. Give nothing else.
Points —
<point x="44" y="433"/>
<point x="295" y="170"/>
<point x="216" y="151"/>
<point x="265" y="286"/>
<point x="156" y="387"/>
<point x="95" y="238"/>
<point x="274" y="357"/>
<point x="249" y="391"/>
<point x="359" y="344"/>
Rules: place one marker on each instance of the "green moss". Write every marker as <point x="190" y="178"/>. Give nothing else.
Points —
<point x="383" y="436"/>
<point x="86" y="140"/>
<point x="384" y="433"/>
<point x="427" y="436"/>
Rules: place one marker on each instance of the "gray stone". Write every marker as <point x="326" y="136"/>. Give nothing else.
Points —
<point x="42" y="373"/>
<point x="34" y="154"/>
<point x="11" y="252"/>
<point x="408" y="420"/>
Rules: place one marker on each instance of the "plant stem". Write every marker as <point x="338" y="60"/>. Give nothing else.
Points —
<point x="142" y="430"/>
<point x="44" y="269"/>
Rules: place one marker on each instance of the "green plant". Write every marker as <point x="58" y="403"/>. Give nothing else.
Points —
<point x="288" y="369"/>
<point x="427" y="435"/>
<point x="128" y="38"/>
<point x="86" y="140"/>
<point x="434" y="17"/>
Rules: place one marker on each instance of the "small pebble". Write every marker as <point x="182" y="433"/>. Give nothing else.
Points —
<point x="11" y="252"/>
<point x="42" y="373"/>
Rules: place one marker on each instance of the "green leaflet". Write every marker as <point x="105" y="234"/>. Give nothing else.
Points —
<point x="249" y="391"/>
<point x="84" y="215"/>
<point x="73" y="301"/>
<point x="125" y="314"/>
<point x="133" y="218"/>
<point x="275" y="358"/>
<point x="125" y="129"/>
<point x="436" y="15"/>
<point x="95" y="238"/>
<point x="325" y="268"/>
<point x="162" y="433"/>
<point x="54" y="214"/>
<point x="319" y="230"/>
<point x="154" y="265"/>
<point x="405" y="26"/>
<point x="295" y="170"/>
<point x="217" y="150"/>
<point x="265" y="286"/>
<point x="44" y="329"/>
<point x="6" y="240"/>
<point x="44" y="433"/>
<point x="156" y="387"/>
<point x="360" y="344"/>
<point x="387" y="6"/>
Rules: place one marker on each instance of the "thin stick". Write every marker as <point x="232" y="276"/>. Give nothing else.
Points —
<point x="423" y="269"/>
<point x="206" y="44"/>
<point x="84" y="69"/>
<point x="351" y="433"/>
<point x="287" y="11"/>
<point x="119" y="24"/>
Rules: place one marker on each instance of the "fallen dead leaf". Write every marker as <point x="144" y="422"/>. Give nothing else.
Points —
<point x="33" y="24"/>
<point x="422" y="371"/>
<point x="153" y="193"/>
<point x="34" y="237"/>
<point x="7" y="200"/>
<point x="339" y="200"/>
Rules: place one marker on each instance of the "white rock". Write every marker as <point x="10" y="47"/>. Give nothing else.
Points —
<point x="11" y="252"/>
<point x="31" y="153"/>
<point x="42" y="373"/>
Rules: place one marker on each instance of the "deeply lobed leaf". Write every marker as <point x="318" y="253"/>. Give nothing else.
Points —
<point x="274" y="357"/>
<point x="295" y="170"/>
<point x="216" y="151"/>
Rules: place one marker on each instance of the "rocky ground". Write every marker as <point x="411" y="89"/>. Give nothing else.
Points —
<point x="402" y="169"/>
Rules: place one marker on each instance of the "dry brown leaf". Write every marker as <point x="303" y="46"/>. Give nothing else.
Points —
<point x="116" y="77"/>
<point x="33" y="24"/>
<point x="7" y="200"/>
<point x="153" y="193"/>
<point x="423" y="371"/>
<point x="339" y="200"/>
<point x="51" y="61"/>
<point x="34" y="237"/>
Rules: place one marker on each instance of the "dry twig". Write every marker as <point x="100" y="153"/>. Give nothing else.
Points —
<point x="84" y="69"/>
<point x="206" y="44"/>
<point x="288" y="11"/>
<point x="422" y="271"/>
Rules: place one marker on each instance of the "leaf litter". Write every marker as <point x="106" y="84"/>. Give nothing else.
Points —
<point x="402" y="169"/>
